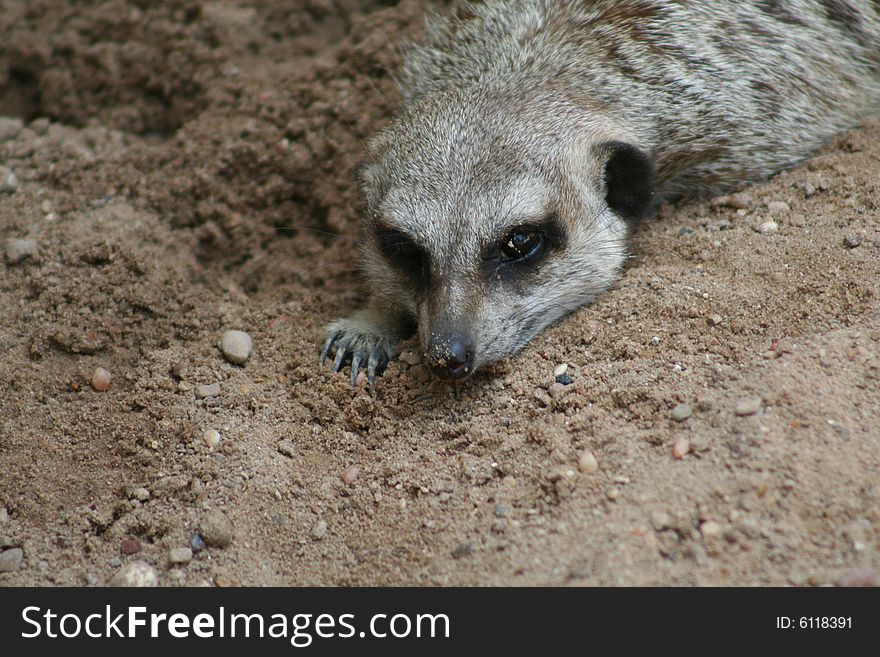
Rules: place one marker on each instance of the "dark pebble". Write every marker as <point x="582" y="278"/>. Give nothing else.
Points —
<point x="197" y="542"/>
<point x="130" y="546"/>
<point x="564" y="379"/>
<point x="463" y="550"/>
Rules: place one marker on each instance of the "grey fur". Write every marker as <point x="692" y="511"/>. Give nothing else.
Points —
<point x="508" y="112"/>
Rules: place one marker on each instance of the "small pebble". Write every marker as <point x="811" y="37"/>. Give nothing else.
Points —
<point x="141" y="494"/>
<point x="211" y="438"/>
<point x="350" y="474"/>
<point x="852" y="241"/>
<point x="560" y="370"/>
<point x="660" y="520"/>
<point x="710" y="529"/>
<point x="410" y="357"/>
<point x="4" y="515"/>
<point x="216" y="529"/>
<point x="17" y="250"/>
<point x="798" y="221"/>
<point x="557" y="389"/>
<point x="681" y="412"/>
<point x="681" y="447"/>
<point x="809" y="189"/>
<point x="778" y="207"/>
<point x="588" y="463"/>
<point x="613" y="494"/>
<point x="176" y="575"/>
<point x="768" y="228"/>
<point x="11" y="560"/>
<point x="714" y="320"/>
<point x="101" y="379"/>
<point x="319" y="531"/>
<point x="564" y="379"/>
<point x="180" y="555"/>
<point x="287" y="448"/>
<point x="207" y="390"/>
<point x="130" y="546"/>
<point x="9" y="128"/>
<point x="137" y="574"/>
<point x="463" y="550"/>
<point x="8" y="180"/>
<point x="197" y="543"/>
<point x="361" y="379"/>
<point x="236" y="346"/>
<point x="748" y="406"/>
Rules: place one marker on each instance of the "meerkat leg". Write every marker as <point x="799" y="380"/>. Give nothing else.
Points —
<point x="366" y="339"/>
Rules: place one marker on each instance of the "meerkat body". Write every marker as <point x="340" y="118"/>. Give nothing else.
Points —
<point x="534" y="133"/>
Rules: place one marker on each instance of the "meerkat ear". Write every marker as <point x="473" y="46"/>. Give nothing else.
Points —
<point x="629" y="180"/>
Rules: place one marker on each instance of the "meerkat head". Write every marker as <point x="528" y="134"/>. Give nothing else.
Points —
<point x="487" y="220"/>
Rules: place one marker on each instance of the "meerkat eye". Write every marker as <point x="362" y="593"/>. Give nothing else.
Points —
<point x="402" y="251"/>
<point x="522" y="242"/>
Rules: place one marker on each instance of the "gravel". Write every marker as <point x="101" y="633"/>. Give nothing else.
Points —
<point x="11" y="560"/>
<point x="350" y="474"/>
<point x="660" y="520"/>
<point x="130" y="546"/>
<point x="748" y="406"/>
<point x="17" y="250"/>
<point x="768" y="228"/>
<point x="681" y="412"/>
<point x="778" y="207"/>
<point x="710" y="530"/>
<point x="319" y="531"/>
<point x="216" y="529"/>
<point x="101" y="379"/>
<point x="207" y="390"/>
<point x="463" y="550"/>
<point x="141" y="494"/>
<point x="8" y="181"/>
<point x="9" y="128"/>
<point x="180" y="555"/>
<point x="197" y="542"/>
<point x="137" y="573"/>
<point x="852" y="241"/>
<point x="588" y="463"/>
<point x="211" y="438"/>
<point x="681" y="447"/>
<point x="236" y="346"/>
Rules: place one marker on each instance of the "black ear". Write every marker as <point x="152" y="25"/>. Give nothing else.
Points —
<point x="629" y="180"/>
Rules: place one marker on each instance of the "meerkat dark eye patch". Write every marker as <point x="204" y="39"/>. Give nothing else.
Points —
<point x="629" y="180"/>
<point x="402" y="252"/>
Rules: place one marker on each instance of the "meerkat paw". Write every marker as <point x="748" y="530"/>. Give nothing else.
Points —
<point x="363" y="342"/>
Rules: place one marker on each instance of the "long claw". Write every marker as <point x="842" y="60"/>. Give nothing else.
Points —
<point x="326" y="351"/>
<point x="375" y="365"/>
<point x="355" y="365"/>
<point x="341" y="352"/>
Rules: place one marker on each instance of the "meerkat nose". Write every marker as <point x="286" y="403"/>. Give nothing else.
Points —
<point x="451" y="356"/>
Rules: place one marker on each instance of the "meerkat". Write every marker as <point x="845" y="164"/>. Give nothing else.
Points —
<point x="534" y="134"/>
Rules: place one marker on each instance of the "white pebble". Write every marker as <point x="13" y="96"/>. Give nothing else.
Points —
<point x="778" y="207"/>
<point x="180" y="555"/>
<point x="207" y="390"/>
<point x="17" y="250"/>
<point x="137" y="574"/>
<point x="560" y="369"/>
<point x="681" y="447"/>
<point x="769" y="227"/>
<point x="588" y="463"/>
<point x="350" y="475"/>
<point x="236" y="346"/>
<point x="681" y="412"/>
<point x="8" y="180"/>
<point x="141" y="494"/>
<point x="319" y="530"/>
<point x="748" y="406"/>
<point x="710" y="529"/>
<point x="211" y="438"/>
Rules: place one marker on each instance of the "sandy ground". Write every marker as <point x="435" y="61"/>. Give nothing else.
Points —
<point x="185" y="168"/>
